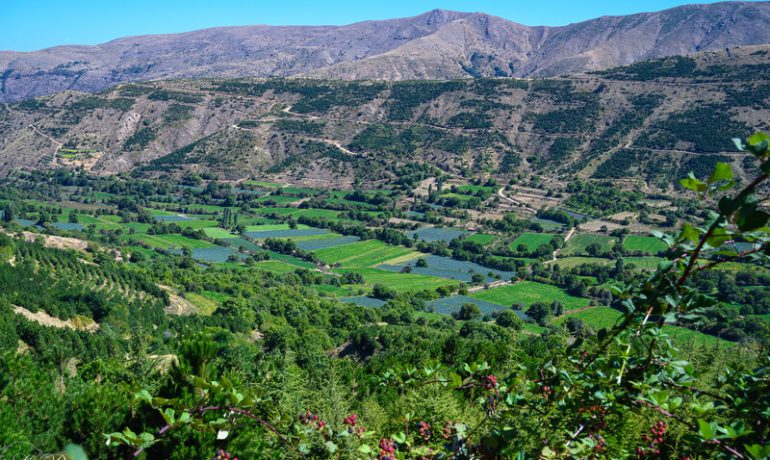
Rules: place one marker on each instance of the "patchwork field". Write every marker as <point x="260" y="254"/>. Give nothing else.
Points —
<point x="646" y="244"/>
<point x="532" y="240"/>
<point x="578" y="244"/>
<point x="362" y="254"/>
<point x="527" y="293"/>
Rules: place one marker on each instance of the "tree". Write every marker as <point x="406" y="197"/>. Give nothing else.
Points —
<point x="467" y="312"/>
<point x="7" y="213"/>
<point x="509" y="319"/>
<point x="540" y="312"/>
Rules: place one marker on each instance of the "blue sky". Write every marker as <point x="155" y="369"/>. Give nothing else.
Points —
<point x="27" y="25"/>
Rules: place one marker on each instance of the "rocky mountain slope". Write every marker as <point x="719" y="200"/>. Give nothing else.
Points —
<point x="653" y="120"/>
<point x="435" y="45"/>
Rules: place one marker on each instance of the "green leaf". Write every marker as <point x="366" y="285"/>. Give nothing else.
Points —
<point x="691" y="183"/>
<point x="330" y="447"/>
<point x="722" y="172"/>
<point x="753" y="220"/>
<point x="365" y="449"/>
<point x="399" y="438"/>
<point x="758" y="452"/>
<point x="757" y="139"/>
<point x="690" y="233"/>
<point x="708" y="431"/>
<point x="74" y="452"/>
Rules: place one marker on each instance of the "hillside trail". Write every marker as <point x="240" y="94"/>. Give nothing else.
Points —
<point x="503" y="196"/>
<point x="567" y="237"/>
<point x="58" y="145"/>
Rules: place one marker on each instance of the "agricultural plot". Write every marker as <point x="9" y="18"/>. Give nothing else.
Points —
<point x="173" y="241"/>
<point x="400" y="282"/>
<point x="572" y="262"/>
<point x="66" y="226"/>
<point x="684" y="335"/>
<point x="529" y="292"/>
<point x="362" y="254"/>
<point x="445" y="267"/>
<point x="215" y="254"/>
<point x="218" y="233"/>
<point x="532" y="240"/>
<point x="449" y="305"/>
<point x="291" y="260"/>
<point x="481" y="238"/>
<point x="260" y="235"/>
<point x="237" y="243"/>
<point x="597" y="317"/>
<point x="276" y="266"/>
<point x="168" y="218"/>
<point x="273" y="227"/>
<point x="324" y="243"/>
<point x="431" y="234"/>
<point x="363" y="301"/>
<point x="646" y="244"/>
<point x="579" y="244"/>
<point x="547" y="224"/>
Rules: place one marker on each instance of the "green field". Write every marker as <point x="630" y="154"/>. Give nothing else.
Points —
<point x="273" y="227"/>
<point x="527" y="293"/>
<point x="571" y="262"/>
<point x="647" y="244"/>
<point x="532" y="240"/>
<point x="172" y="241"/>
<point x="481" y="238"/>
<point x="577" y="244"/>
<point x="362" y="254"/>
<point x="596" y="318"/>
<point x="276" y="266"/>
<point x="218" y="233"/>
<point x="400" y="282"/>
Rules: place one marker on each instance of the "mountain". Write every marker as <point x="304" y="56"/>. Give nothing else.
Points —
<point x="655" y="120"/>
<point x="436" y="45"/>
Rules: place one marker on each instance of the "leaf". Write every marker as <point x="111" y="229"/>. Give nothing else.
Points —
<point x="330" y="447"/>
<point x="691" y="183"/>
<point x="722" y="172"/>
<point x="753" y="220"/>
<point x="739" y="144"/>
<point x="365" y="449"/>
<point x="708" y="431"/>
<point x="399" y="438"/>
<point x="74" y="452"/>
<point x="145" y="396"/>
<point x="690" y="233"/>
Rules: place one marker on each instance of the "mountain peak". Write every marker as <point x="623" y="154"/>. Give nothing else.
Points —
<point x="433" y="45"/>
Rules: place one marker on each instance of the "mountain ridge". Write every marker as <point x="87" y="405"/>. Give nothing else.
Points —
<point x="439" y="44"/>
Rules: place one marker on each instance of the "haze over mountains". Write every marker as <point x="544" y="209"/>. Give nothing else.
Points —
<point x="436" y="45"/>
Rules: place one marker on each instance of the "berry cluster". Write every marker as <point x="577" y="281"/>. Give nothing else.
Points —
<point x="311" y="419"/>
<point x="601" y="443"/>
<point x="654" y="440"/>
<point x="223" y="455"/>
<point x="353" y="427"/>
<point x="387" y="450"/>
<point x="490" y="382"/>
<point x="425" y="431"/>
<point x="547" y="391"/>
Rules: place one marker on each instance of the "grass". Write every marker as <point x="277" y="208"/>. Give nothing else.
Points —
<point x="596" y="318"/>
<point x="684" y="335"/>
<point x="577" y="244"/>
<point x="647" y="244"/>
<point x="218" y="233"/>
<point x="532" y="240"/>
<point x="205" y="304"/>
<point x="172" y="241"/>
<point x="527" y="293"/>
<point x="481" y="238"/>
<point x="571" y="262"/>
<point x="362" y="254"/>
<point x="276" y="266"/>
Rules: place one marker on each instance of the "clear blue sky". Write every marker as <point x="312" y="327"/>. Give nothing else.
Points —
<point x="27" y="25"/>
